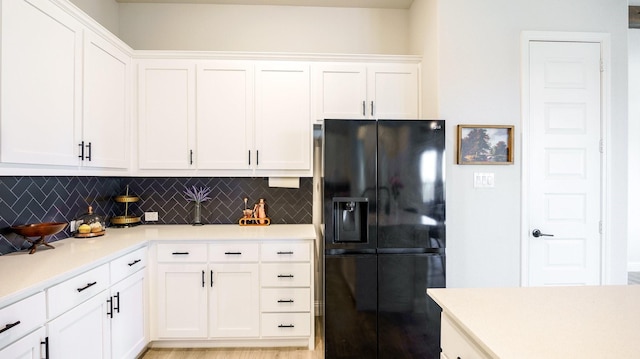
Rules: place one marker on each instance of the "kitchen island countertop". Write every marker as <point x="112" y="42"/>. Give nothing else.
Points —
<point x="547" y="322"/>
<point x="24" y="274"/>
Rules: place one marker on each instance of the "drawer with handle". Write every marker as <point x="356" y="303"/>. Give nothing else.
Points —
<point x="234" y="252"/>
<point x="285" y="324"/>
<point x="285" y="274"/>
<point x="76" y="290"/>
<point x="285" y="252"/>
<point x="21" y="317"/>
<point x="285" y="299"/>
<point x="128" y="264"/>
<point x="182" y="252"/>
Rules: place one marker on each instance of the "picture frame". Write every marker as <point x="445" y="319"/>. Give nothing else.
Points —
<point x="485" y="145"/>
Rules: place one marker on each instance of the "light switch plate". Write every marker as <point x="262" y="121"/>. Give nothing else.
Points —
<point x="150" y="216"/>
<point x="483" y="180"/>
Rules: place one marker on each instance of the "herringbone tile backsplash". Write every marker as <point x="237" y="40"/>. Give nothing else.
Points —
<point x="25" y="200"/>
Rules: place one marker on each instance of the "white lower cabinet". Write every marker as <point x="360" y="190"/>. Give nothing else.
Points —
<point x="33" y="346"/>
<point x="286" y="291"/>
<point x="182" y="300"/>
<point x="234" y="300"/>
<point x="228" y="293"/>
<point x="107" y="324"/>
<point x="82" y="332"/>
<point x="217" y="299"/>
<point x="128" y="336"/>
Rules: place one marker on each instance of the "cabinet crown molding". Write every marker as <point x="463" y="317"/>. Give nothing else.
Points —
<point x="270" y="56"/>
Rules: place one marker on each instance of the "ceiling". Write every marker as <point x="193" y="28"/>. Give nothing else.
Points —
<point x="384" y="4"/>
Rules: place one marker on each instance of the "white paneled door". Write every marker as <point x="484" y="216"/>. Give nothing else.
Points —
<point x="564" y="164"/>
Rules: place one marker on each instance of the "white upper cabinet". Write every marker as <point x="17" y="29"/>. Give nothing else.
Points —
<point x="393" y="91"/>
<point x="166" y="114"/>
<point x="341" y="91"/>
<point x="106" y="103"/>
<point x="64" y="91"/>
<point x="224" y="115"/>
<point x="366" y="91"/>
<point x="40" y="81"/>
<point x="283" y="130"/>
<point x="225" y="118"/>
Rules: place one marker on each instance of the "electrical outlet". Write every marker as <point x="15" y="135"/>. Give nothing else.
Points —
<point x="150" y="216"/>
<point x="72" y="226"/>
<point x="484" y="180"/>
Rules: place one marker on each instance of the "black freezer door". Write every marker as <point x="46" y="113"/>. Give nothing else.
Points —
<point x="411" y="185"/>
<point x="349" y="192"/>
<point x="408" y="319"/>
<point x="350" y="301"/>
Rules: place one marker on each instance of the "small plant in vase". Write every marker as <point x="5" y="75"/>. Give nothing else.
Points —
<point x="197" y="196"/>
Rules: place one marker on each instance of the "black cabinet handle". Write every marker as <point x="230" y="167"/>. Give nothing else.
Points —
<point x="202" y="279"/>
<point x="134" y="262"/>
<point x="89" y="151"/>
<point x="46" y="347"/>
<point x="87" y="286"/>
<point x="257" y="158"/>
<point x="233" y="253"/>
<point x="286" y="326"/>
<point x="372" y="108"/>
<point x="285" y="252"/>
<point x="9" y="326"/>
<point x="116" y="307"/>
<point x="190" y="157"/>
<point x="249" y="157"/>
<point x="212" y="279"/>
<point x="180" y="253"/>
<point x="285" y="275"/>
<point x="81" y="144"/>
<point x="110" y="310"/>
<point x="285" y="300"/>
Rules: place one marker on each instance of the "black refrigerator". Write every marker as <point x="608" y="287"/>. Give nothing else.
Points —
<point x="384" y="237"/>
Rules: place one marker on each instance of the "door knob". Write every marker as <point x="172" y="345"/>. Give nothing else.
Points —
<point x="536" y="233"/>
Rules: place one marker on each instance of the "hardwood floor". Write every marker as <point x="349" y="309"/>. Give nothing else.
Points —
<point x="243" y="353"/>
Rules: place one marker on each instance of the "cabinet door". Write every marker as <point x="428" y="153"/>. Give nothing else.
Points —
<point x="224" y="115"/>
<point x="393" y="91"/>
<point x="166" y="111"/>
<point x="128" y="337"/>
<point x="105" y="120"/>
<point x="234" y="302"/>
<point x="341" y="91"/>
<point x="283" y="127"/>
<point x="182" y="301"/>
<point x="40" y="84"/>
<point x="28" y="347"/>
<point x="82" y="332"/>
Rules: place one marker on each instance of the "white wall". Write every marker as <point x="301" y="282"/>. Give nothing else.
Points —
<point x="634" y="147"/>
<point x="479" y="83"/>
<point x="423" y="21"/>
<point x="264" y="28"/>
<point x="105" y="12"/>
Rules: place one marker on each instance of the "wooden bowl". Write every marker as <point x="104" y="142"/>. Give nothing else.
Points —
<point x="39" y="229"/>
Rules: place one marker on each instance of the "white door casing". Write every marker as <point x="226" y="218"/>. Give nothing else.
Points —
<point x="563" y="162"/>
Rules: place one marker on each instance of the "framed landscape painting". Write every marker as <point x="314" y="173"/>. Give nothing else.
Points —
<point x="485" y="145"/>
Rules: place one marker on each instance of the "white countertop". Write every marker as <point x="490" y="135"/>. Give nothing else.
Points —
<point x="23" y="273"/>
<point x="550" y="322"/>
